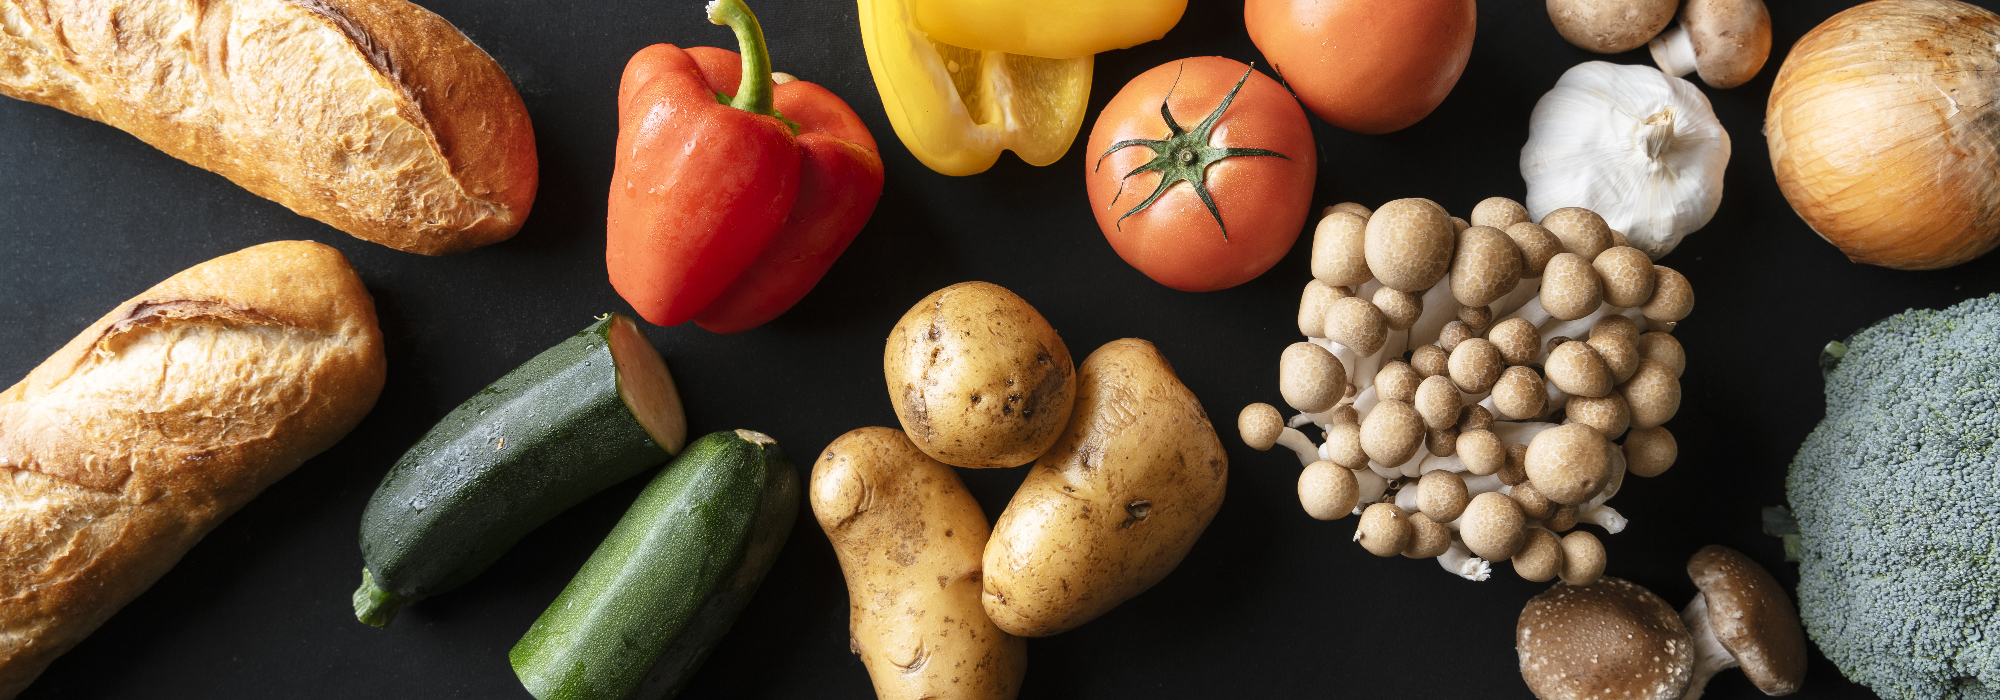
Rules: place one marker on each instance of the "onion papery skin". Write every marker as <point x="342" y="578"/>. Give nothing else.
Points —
<point x="1884" y="134"/>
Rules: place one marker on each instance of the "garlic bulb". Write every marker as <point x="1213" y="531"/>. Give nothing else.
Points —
<point x="1632" y="144"/>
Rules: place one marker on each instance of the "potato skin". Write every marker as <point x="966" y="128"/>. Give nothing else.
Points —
<point x="1115" y="505"/>
<point x="978" y="377"/>
<point x="909" y="537"/>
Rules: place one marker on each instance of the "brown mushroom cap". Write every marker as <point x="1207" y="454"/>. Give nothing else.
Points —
<point x="1618" y="239"/>
<point x="1338" y="257"/>
<point x="1581" y="230"/>
<point x="1428" y="538"/>
<point x="1498" y="213"/>
<point x="1493" y="527"/>
<point x="1576" y="369"/>
<point x="1399" y="308"/>
<point x="1570" y="288"/>
<point x="1397" y="382"/>
<point x="1648" y="451"/>
<point x="1437" y="401"/>
<point x="1610" y="26"/>
<point x="1341" y="414"/>
<point x="1474" y="417"/>
<point x="1442" y="496"/>
<point x="1384" y="530"/>
<point x="1476" y="318"/>
<point x="1519" y="394"/>
<point x="1312" y="307"/>
<point x="1343" y="446"/>
<point x="1537" y="246"/>
<point x="1391" y="433"/>
<point x="1515" y="472"/>
<point x="1409" y="244"/>
<point x="1351" y="208"/>
<point x="1608" y="415"/>
<point x="1310" y="378"/>
<point x="1627" y="275"/>
<point x="1610" y="639"/>
<point x="1482" y="452"/>
<point x="1616" y="324"/>
<point x="1750" y="615"/>
<point x="1260" y="425"/>
<point x="1673" y="297"/>
<point x="1654" y="394"/>
<point x="1541" y="558"/>
<point x="1485" y="267"/>
<point x="1452" y="334"/>
<point x="1356" y="323"/>
<point x="1732" y="39"/>
<point x="1583" y="558"/>
<point x="1327" y="491"/>
<point x="1517" y="340"/>
<point x="1569" y="463"/>
<point x="1664" y="349"/>
<point x="1441" y="443"/>
<point x="1563" y="519"/>
<point x="1430" y="361"/>
<point x="1475" y="365"/>
<point x="1533" y="504"/>
<point x="1620" y="355"/>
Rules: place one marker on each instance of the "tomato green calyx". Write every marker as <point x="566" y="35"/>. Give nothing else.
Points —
<point x="1184" y="155"/>
<point x="754" y="92"/>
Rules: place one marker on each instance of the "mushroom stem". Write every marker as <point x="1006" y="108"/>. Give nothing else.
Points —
<point x="1532" y="311"/>
<point x="1349" y="357"/>
<point x="1372" y="487"/>
<point x="1710" y="657"/>
<point x="1440" y="308"/>
<point x="1406" y="498"/>
<point x="1528" y="289"/>
<point x="1673" y="50"/>
<point x="1519" y="432"/>
<point x="1387" y="473"/>
<point x="1307" y="451"/>
<point x="1448" y="464"/>
<point x="1605" y="517"/>
<point x="1460" y="561"/>
<point x="1475" y="485"/>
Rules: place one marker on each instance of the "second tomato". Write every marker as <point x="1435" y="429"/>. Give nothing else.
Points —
<point x="1367" y="66"/>
<point x="1200" y="173"/>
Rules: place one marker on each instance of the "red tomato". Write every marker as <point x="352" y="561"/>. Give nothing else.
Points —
<point x="1262" y="199"/>
<point x="1369" y="66"/>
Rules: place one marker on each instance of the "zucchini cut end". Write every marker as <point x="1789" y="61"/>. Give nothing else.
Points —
<point x="646" y="386"/>
<point x="375" y="606"/>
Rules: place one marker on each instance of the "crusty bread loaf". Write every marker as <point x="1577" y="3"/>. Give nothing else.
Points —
<point x="119" y="452"/>
<point x="374" y="116"/>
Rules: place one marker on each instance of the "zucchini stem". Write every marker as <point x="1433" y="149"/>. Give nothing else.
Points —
<point x="376" y="606"/>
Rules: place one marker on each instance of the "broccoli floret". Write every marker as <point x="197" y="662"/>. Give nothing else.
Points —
<point x="1897" y="499"/>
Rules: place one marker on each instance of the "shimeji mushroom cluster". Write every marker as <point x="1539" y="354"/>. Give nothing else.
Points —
<point x="1470" y="379"/>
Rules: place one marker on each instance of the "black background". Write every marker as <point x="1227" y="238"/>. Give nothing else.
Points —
<point x="1269" y="603"/>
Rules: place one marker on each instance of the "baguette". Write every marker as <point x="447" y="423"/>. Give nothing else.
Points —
<point x="120" y="451"/>
<point x="374" y="116"/>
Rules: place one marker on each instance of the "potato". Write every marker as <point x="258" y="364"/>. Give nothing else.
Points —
<point x="909" y="538"/>
<point x="1114" y="506"/>
<point x="978" y="378"/>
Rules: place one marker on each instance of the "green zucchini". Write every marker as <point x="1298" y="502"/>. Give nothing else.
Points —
<point x="670" y="579"/>
<point x="590" y="412"/>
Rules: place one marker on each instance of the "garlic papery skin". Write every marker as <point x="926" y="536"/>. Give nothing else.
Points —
<point x="1640" y="148"/>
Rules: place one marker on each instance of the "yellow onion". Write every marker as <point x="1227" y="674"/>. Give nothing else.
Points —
<point x="1885" y="134"/>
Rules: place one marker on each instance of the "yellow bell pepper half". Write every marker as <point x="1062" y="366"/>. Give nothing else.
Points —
<point x="1048" y="28"/>
<point x="957" y="108"/>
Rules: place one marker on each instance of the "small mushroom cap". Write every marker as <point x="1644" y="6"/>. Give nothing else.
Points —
<point x="1328" y="491"/>
<point x="1493" y="526"/>
<point x="1620" y="355"/>
<point x="1342" y="414"/>
<point x="1343" y="446"/>
<point x="1399" y="308"/>
<point x="1541" y="558"/>
<point x="1499" y="213"/>
<point x="1384" y="530"/>
<point x="1627" y="275"/>
<point x="1397" y="382"/>
<point x="1437" y="401"/>
<point x="1732" y="39"/>
<point x="1610" y="26"/>
<point x="1533" y="504"/>
<point x="1351" y="208"/>
<point x="1583" y="558"/>
<point x="1482" y="452"/>
<point x="1310" y="378"/>
<point x="1563" y="519"/>
<point x="1576" y="369"/>
<point x="1441" y="443"/>
<point x="1476" y="318"/>
<point x="1409" y="244"/>
<point x="1616" y="325"/>
<point x="1486" y="266"/>
<point x="1673" y="297"/>
<point x="1338" y="257"/>
<point x="1312" y="307"/>
<point x="1537" y="246"/>
<point x="1654" y="394"/>
<point x="1474" y="417"/>
<point x="1569" y="463"/>
<point x="1515" y="472"/>
<point x="1648" y="451"/>
<point x="1610" y="639"/>
<point x="1442" y="496"/>
<point x="1519" y="394"/>
<point x="1428" y="538"/>
<point x="1581" y="230"/>
<point x="1749" y="613"/>
<point x="1476" y="365"/>
<point x="1618" y="238"/>
<point x="1260" y="425"/>
<point x="1517" y="340"/>
<point x="1570" y="288"/>
<point x="1608" y="415"/>
<point x="1665" y="349"/>
<point x="1356" y="323"/>
<point x="1452" y="334"/>
<point x="1392" y="433"/>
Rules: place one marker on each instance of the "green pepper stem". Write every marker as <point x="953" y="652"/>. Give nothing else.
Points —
<point x="754" y="93"/>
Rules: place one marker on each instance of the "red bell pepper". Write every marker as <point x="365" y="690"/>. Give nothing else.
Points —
<point x="728" y="209"/>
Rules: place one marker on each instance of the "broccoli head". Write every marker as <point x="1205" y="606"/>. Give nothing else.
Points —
<point x="1897" y="500"/>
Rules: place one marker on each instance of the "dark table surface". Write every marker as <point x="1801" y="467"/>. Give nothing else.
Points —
<point x="1269" y="603"/>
